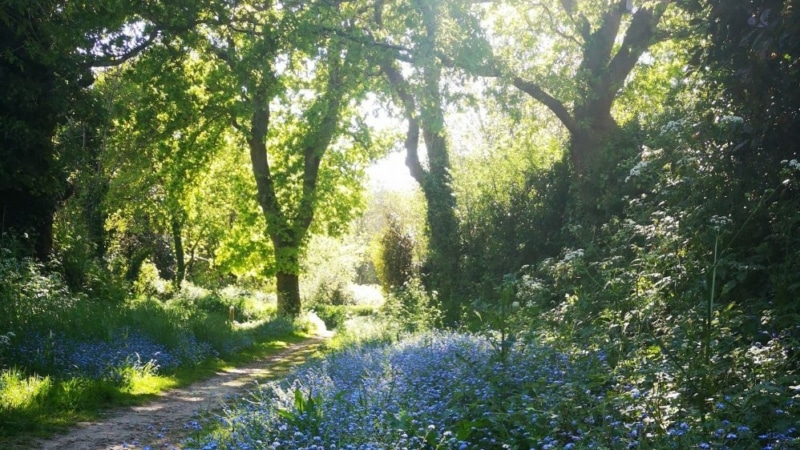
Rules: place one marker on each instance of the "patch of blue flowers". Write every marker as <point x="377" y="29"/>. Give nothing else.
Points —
<point x="459" y="391"/>
<point x="54" y="354"/>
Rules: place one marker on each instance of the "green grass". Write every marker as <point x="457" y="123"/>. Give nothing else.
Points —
<point x="33" y="406"/>
<point x="37" y="400"/>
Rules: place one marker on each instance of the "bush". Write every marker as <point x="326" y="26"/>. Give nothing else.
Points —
<point x="410" y="308"/>
<point x="687" y="292"/>
<point x="332" y="315"/>
<point x="330" y="267"/>
<point x="150" y="284"/>
<point x="395" y="265"/>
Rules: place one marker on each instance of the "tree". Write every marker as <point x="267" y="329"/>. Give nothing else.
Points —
<point x="291" y="96"/>
<point x="414" y="76"/>
<point x="575" y="58"/>
<point x="31" y="107"/>
<point x="751" y="54"/>
<point x="50" y="50"/>
<point x="395" y="264"/>
<point x="750" y="62"/>
<point x="166" y="132"/>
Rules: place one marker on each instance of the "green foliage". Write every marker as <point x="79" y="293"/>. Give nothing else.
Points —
<point x="32" y="297"/>
<point x="680" y="291"/>
<point x="150" y="284"/>
<point x="330" y="268"/>
<point x="37" y="307"/>
<point x="47" y="67"/>
<point x="334" y="316"/>
<point x="306" y="413"/>
<point x="411" y="308"/>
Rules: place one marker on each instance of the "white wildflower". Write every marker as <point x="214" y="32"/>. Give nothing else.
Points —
<point x="637" y="170"/>
<point x="719" y="222"/>
<point x="673" y="126"/>
<point x="733" y="120"/>
<point x="573" y="254"/>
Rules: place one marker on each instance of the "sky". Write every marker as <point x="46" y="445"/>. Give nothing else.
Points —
<point x="390" y="173"/>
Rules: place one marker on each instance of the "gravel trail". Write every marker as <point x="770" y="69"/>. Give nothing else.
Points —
<point x="164" y="422"/>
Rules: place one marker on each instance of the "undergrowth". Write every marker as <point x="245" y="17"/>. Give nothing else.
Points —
<point x="65" y="356"/>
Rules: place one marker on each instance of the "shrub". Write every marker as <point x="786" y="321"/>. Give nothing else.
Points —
<point x="332" y="315"/>
<point x="330" y="266"/>
<point x="410" y="308"/>
<point x="395" y="265"/>
<point x="150" y="283"/>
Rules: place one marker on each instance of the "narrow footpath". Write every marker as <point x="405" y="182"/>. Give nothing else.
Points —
<point x="165" y="422"/>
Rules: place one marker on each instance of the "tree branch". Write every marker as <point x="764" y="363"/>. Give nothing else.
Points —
<point x="116" y="60"/>
<point x="402" y="89"/>
<point x="554" y="23"/>
<point x="532" y="89"/>
<point x="552" y="103"/>
<point x="638" y="38"/>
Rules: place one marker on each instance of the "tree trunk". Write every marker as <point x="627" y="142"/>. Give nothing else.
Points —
<point x="180" y="256"/>
<point x="443" y="225"/>
<point x="288" y="294"/>
<point x="424" y="110"/>
<point x="92" y="209"/>
<point x="44" y="235"/>
<point x="288" y="230"/>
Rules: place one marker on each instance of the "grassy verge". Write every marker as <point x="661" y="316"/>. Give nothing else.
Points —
<point x="34" y="406"/>
<point x="68" y="356"/>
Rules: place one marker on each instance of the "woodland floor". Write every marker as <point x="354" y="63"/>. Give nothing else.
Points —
<point x="165" y="422"/>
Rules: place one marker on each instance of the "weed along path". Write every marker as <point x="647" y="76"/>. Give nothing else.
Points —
<point x="167" y="420"/>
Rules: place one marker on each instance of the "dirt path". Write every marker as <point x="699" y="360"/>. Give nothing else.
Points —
<point x="165" y="422"/>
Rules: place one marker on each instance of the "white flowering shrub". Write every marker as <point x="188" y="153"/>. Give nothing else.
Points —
<point x="691" y="291"/>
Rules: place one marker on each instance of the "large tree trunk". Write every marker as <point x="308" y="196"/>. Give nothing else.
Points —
<point x="278" y="228"/>
<point x="287" y="277"/>
<point x="596" y="141"/>
<point x="606" y="63"/>
<point x="437" y="189"/>
<point x="444" y="248"/>
<point x="435" y="181"/>
<point x="424" y="110"/>
<point x="288" y="294"/>
<point x="30" y="175"/>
